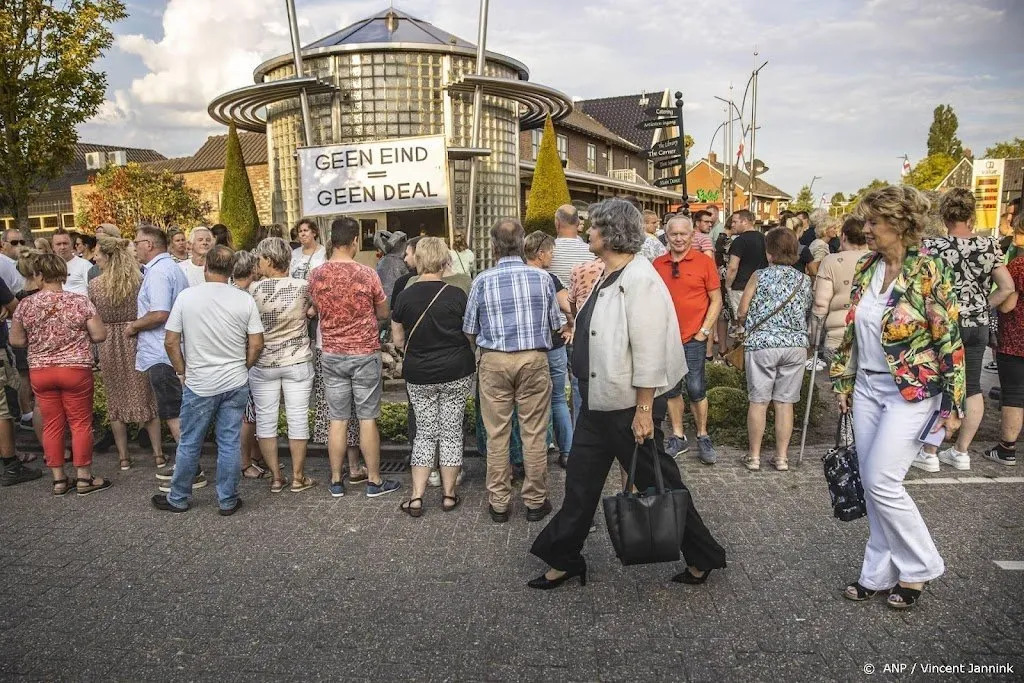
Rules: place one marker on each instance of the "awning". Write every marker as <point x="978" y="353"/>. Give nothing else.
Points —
<point x="246" y="107"/>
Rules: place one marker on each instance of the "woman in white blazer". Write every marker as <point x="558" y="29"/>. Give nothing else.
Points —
<point x="627" y="353"/>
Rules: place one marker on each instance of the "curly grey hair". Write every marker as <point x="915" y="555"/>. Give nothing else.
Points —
<point x="276" y="251"/>
<point x="619" y="224"/>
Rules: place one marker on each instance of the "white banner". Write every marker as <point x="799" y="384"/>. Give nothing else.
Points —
<point x="368" y="177"/>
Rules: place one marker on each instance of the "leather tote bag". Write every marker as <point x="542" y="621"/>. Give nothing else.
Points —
<point x="647" y="527"/>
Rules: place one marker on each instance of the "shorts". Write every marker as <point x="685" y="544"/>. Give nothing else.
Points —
<point x="734" y="300"/>
<point x="166" y="390"/>
<point x="8" y="378"/>
<point x="975" y="340"/>
<point x="696" y="389"/>
<point x="775" y="374"/>
<point x="1011" y="380"/>
<point x="353" y="381"/>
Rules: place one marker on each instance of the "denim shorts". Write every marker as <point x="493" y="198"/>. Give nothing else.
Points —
<point x="166" y="390"/>
<point x="352" y="381"/>
<point x="695" y="353"/>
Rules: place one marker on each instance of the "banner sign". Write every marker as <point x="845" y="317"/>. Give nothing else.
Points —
<point x="368" y="177"/>
<point x="987" y="183"/>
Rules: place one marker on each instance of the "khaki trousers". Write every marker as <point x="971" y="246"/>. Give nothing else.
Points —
<point x="508" y="381"/>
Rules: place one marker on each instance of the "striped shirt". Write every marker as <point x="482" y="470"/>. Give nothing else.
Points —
<point x="569" y="252"/>
<point x="512" y="307"/>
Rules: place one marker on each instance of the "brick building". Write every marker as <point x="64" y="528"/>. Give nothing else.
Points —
<point x="707" y="178"/>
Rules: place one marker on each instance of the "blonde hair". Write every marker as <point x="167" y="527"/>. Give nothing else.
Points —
<point x="43" y="245"/>
<point x="825" y="224"/>
<point x="431" y="256"/>
<point x="28" y="263"/>
<point x="795" y="224"/>
<point x="903" y="207"/>
<point x="51" y="268"/>
<point x="121" y="278"/>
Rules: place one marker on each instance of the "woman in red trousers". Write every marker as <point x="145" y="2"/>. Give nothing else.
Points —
<point x="57" y="327"/>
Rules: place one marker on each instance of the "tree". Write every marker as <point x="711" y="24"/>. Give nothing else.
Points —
<point x="838" y="199"/>
<point x="238" y="206"/>
<point x="875" y="184"/>
<point x="548" y="191"/>
<point x="133" y="194"/>
<point x="49" y="86"/>
<point x="930" y="171"/>
<point x="942" y="137"/>
<point x="1013" y="149"/>
<point x="687" y="144"/>
<point x="804" y="200"/>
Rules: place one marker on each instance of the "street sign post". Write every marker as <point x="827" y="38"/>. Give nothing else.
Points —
<point x="651" y="124"/>
<point x="670" y="181"/>
<point x="672" y="152"/>
<point x="660" y="111"/>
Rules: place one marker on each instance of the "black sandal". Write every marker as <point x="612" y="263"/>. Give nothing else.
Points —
<point x="901" y="597"/>
<point x="407" y="508"/>
<point x="449" y="508"/>
<point x="91" y="486"/>
<point x="862" y="592"/>
<point x="687" y="577"/>
<point x="62" y="482"/>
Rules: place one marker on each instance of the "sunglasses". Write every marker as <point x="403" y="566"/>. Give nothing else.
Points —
<point x="675" y="269"/>
<point x="17" y="243"/>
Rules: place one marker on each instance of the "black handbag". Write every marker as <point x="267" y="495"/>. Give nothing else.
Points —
<point x="647" y="527"/>
<point x="842" y="472"/>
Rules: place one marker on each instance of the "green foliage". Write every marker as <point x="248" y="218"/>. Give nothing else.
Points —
<point x="132" y="194"/>
<point x="838" y="199"/>
<point x="238" y="206"/>
<point x="930" y="171"/>
<point x="48" y="85"/>
<point x="942" y="137"/>
<point x="804" y="200"/>
<point x="393" y="422"/>
<point x="549" y="190"/>
<point x="1011" y="149"/>
<point x="716" y="375"/>
<point x="687" y="144"/>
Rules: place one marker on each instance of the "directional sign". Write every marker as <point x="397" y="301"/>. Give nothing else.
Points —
<point x="663" y="153"/>
<point x="670" y="162"/>
<point x="651" y="124"/>
<point x="668" y="181"/>
<point x="660" y="111"/>
<point x="666" y="145"/>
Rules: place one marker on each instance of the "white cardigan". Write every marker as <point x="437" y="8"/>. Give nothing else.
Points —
<point x="634" y="339"/>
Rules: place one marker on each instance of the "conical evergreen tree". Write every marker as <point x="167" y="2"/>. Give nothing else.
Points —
<point x="238" y="206"/>
<point x="548" y="191"/>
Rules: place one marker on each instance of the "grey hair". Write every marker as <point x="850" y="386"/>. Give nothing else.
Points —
<point x="566" y="216"/>
<point x="679" y="218"/>
<point x="619" y="224"/>
<point x="275" y="250"/>
<point x="243" y="264"/>
<point x="825" y="224"/>
<point x="508" y="238"/>
<point x="816" y="217"/>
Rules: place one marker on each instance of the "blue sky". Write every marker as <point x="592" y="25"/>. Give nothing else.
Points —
<point x="850" y="85"/>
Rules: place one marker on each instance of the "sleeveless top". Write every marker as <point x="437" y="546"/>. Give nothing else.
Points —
<point x="786" y="328"/>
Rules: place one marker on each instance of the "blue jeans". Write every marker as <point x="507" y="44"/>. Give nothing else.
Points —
<point x="197" y="412"/>
<point x="696" y="387"/>
<point x="560" y="417"/>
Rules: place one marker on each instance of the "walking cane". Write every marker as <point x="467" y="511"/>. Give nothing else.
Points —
<point x="819" y="329"/>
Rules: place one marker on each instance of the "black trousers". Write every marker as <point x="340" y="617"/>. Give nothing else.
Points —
<point x="601" y="438"/>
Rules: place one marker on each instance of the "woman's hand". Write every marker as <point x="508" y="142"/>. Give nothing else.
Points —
<point x="843" y="401"/>
<point x="951" y="423"/>
<point x="643" y="425"/>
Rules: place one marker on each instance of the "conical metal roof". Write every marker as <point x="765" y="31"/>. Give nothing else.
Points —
<point x="390" y="26"/>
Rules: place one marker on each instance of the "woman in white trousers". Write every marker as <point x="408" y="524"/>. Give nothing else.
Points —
<point x="901" y="361"/>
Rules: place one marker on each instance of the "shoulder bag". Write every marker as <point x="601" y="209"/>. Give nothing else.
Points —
<point x="734" y="356"/>
<point x="842" y="472"/>
<point x="647" y="527"/>
<point x="405" y="349"/>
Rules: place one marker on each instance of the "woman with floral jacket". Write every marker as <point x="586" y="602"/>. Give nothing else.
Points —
<point x="900" y="362"/>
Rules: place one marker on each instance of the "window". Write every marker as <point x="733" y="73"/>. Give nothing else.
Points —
<point x="69" y="220"/>
<point x="563" y="147"/>
<point x="591" y="158"/>
<point x="625" y="162"/>
<point x="536" y="142"/>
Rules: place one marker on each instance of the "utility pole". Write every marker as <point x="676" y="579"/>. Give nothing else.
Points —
<point x="752" y="171"/>
<point x="478" y="103"/>
<point x="810" y="188"/>
<point x="293" y="28"/>
<point x="685" y="208"/>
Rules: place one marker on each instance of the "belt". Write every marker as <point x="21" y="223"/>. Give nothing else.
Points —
<point x="875" y="372"/>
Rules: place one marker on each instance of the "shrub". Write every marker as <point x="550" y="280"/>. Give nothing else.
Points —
<point x="393" y="422"/>
<point x="548" y="189"/>
<point x="716" y="375"/>
<point x="238" y="206"/>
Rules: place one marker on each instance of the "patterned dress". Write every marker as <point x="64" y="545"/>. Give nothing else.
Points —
<point x="129" y="395"/>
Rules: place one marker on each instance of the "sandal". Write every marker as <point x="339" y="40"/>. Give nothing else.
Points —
<point x="455" y="504"/>
<point x="780" y="465"/>
<point x="901" y="597"/>
<point x="161" y="462"/>
<point x="125" y="464"/>
<point x="407" y="507"/>
<point x="858" y="593"/>
<point x="750" y="463"/>
<point x="247" y="473"/>
<point x="278" y="485"/>
<point x="91" y="485"/>
<point x="302" y="484"/>
<point x="65" y="487"/>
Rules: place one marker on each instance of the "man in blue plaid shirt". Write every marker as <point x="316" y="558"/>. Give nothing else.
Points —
<point x="511" y="314"/>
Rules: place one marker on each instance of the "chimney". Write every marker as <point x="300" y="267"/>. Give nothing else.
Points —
<point x="712" y="158"/>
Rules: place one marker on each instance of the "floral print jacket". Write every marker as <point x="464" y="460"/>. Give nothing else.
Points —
<point x="920" y="332"/>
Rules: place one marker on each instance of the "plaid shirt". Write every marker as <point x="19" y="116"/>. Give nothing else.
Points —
<point x="512" y="307"/>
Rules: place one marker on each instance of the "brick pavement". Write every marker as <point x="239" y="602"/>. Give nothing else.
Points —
<point x="303" y="587"/>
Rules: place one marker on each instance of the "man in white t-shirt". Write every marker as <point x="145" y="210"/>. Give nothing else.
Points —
<point x="570" y="250"/>
<point x="78" y="267"/>
<point x="195" y="267"/>
<point x="9" y="253"/>
<point x="223" y="338"/>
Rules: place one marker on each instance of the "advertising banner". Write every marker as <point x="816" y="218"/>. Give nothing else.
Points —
<point x="987" y="183"/>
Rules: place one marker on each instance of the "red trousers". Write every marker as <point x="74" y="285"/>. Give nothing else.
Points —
<point x="65" y="397"/>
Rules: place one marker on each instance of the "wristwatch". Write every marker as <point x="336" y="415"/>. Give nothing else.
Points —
<point x="705" y="331"/>
<point x="643" y="408"/>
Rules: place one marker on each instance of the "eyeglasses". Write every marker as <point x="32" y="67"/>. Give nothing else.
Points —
<point x="17" y="243"/>
<point x="138" y="242"/>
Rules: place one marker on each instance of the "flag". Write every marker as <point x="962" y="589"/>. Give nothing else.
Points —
<point x="739" y="153"/>
<point x="824" y="199"/>
<point x="905" y="171"/>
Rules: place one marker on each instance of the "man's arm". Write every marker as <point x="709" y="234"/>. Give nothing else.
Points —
<point x="254" y="349"/>
<point x="714" y="309"/>
<point x="150" y="321"/>
<point x="172" y="344"/>
<point x="732" y="270"/>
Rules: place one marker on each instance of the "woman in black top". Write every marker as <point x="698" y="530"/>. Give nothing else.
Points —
<point x="438" y="370"/>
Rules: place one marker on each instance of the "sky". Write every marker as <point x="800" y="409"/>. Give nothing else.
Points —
<point x="849" y="87"/>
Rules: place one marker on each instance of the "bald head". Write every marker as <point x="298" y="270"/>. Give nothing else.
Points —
<point x="567" y="221"/>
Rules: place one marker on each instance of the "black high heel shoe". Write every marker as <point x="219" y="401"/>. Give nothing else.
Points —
<point x="686" y="577"/>
<point x="543" y="583"/>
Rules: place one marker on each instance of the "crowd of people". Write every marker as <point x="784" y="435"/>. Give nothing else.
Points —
<point x="585" y="346"/>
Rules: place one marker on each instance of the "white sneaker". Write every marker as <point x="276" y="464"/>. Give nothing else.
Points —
<point x="434" y="479"/>
<point x="925" y="461"/>
<point x="816" y="364"/>
<point x="956" y="459"/>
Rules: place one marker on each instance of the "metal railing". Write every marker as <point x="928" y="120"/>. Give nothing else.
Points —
<point x="628" y="175"/>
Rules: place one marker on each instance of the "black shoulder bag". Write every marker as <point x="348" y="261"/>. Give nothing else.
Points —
<point x="842" y="472"/>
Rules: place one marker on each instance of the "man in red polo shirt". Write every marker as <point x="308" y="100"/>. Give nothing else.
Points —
<point x="693" y="283"/>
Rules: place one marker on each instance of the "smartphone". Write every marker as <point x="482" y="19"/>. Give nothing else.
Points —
<point x="927" y="436"/>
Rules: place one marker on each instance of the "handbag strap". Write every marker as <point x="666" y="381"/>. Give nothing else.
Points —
<point x="414" y="327"/>
<point x="771" y="315"/>
<point x="841" y="426"/>
<point x="659" y="477"/>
